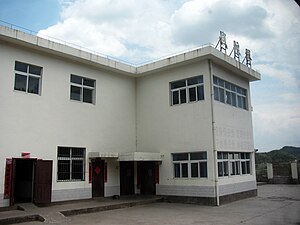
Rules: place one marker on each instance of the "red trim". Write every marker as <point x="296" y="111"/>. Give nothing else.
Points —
<point x="7" y="178"/>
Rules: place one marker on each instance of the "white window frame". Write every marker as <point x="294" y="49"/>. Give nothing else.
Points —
<point x="82" y="87"/>
<point x="189" y="162"/>
<point x="186" y="88"/>
<point x="238" y="160"/>
<point x="239" y="92"/>
<point x="28" y="75"/>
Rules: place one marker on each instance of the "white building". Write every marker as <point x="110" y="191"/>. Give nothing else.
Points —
<point x="75" y="125"/>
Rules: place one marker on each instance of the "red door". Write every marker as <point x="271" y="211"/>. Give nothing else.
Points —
<point x="13" y="175"/>
<point x="43" y="182"/>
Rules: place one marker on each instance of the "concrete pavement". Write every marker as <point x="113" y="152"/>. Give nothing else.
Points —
<point x="275" y="204"/>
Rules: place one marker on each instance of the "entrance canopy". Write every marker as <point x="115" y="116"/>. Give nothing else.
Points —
<point x="103" y="155"/>
<point x="140" y="156"/>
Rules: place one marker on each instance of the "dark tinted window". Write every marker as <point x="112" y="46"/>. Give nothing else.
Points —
<point x="35" y="70"/>
<point x="76" y="79"/>
<point x="175" y="96"/>
<point x="63" y="152"/>
<point x="195" y="80"/>
<point x="33" y="85"/>
<point x="176" y="170"/>
<point x="200" y="92"/>
<point x="198" y="155"/>
<point x="88" y="82"/>
<point x="184" y="170"/>
<point x="183" y="96"/>
<point x="63" y="168"/>
<point x="203" y="169"/>
<point x="87" y="95"/>
<point x="194" y="170"/>
<point x="20" y="82"/>
<point x="21" y="67"/>
<point x="75" y="93"/>
<point x="178" y="84"/>
<point x="192" y="94"/>
<point x="180" y="156"/>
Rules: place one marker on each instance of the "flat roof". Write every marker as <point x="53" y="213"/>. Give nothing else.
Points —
<point x="21" y="38"/>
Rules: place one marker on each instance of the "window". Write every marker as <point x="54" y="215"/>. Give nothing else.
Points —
<point x="70" y="164"/>
<point x="82" y="89"/>
<point x="230" y="94"/>
<point x="233" y="163"/>
<point x="190" y="165"/>
<point x="187" y="90"/>
<point x="27" y="78"/>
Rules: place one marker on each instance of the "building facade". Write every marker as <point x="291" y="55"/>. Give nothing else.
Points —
<point x="76" y="125"/>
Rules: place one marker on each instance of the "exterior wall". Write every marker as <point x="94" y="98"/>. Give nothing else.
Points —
<point x="180" y="128"/>
<point x="39" y="123"/>
<point x="234" y="133"/>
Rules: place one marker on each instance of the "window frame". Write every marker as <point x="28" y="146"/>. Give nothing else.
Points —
<point x="82" y="88"/>
<point x="228" y="90"/>
<point x="71" y="159"/>
<point x="186" y="89"/>
<point x="189" y="163"/>
<point x="238" y="159"/>
<point x="28" y="74"/>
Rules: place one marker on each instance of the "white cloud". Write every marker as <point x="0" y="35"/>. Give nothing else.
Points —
<point x="199" y="21"/>
<point x="276" y="124"/>
<point x="132" y="30"/>
<point x="285" y="77"/>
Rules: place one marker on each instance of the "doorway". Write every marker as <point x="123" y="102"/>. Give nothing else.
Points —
<point x="24" y="180"/>
<point x="97" y="178"/>
<point x="147" y="175"/>
<point x="126" y="178"/>
<point x="31" y="181"/>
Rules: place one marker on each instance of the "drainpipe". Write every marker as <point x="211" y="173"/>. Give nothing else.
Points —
<point x="213" y="133"/>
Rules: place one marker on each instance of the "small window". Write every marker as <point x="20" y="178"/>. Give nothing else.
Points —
<point x="188" y="90"/>
<point x="82" y="89"/>
<point x="27" y="78"/>
<point x="70" y="164"/>
<point x="190" y="165"/>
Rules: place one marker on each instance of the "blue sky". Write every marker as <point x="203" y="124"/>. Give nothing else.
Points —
<point x="140" y="30"/>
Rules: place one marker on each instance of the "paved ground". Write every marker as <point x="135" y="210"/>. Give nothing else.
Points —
<point x="275" y="204"/>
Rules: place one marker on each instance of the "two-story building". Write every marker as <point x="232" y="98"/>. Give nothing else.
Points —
<point x="77" y="125"/>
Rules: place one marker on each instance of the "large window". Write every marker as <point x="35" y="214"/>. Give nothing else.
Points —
<point x="233" y="163"/>
<point x="82" y="89"/>
<point x="187" y="90"/>
<point x="70" y="164"/>
<point x="230" y="94"/>
<point x="190" y="165"/>
<point x="27" y="78"/>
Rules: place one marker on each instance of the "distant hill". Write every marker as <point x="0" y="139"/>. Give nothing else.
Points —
<point x="285" y="154"/>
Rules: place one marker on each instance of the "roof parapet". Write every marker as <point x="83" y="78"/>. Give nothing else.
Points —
<point x="62" y="49"/>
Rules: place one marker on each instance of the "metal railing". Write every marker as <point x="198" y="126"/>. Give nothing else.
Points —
<point x="35" y="33"/>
